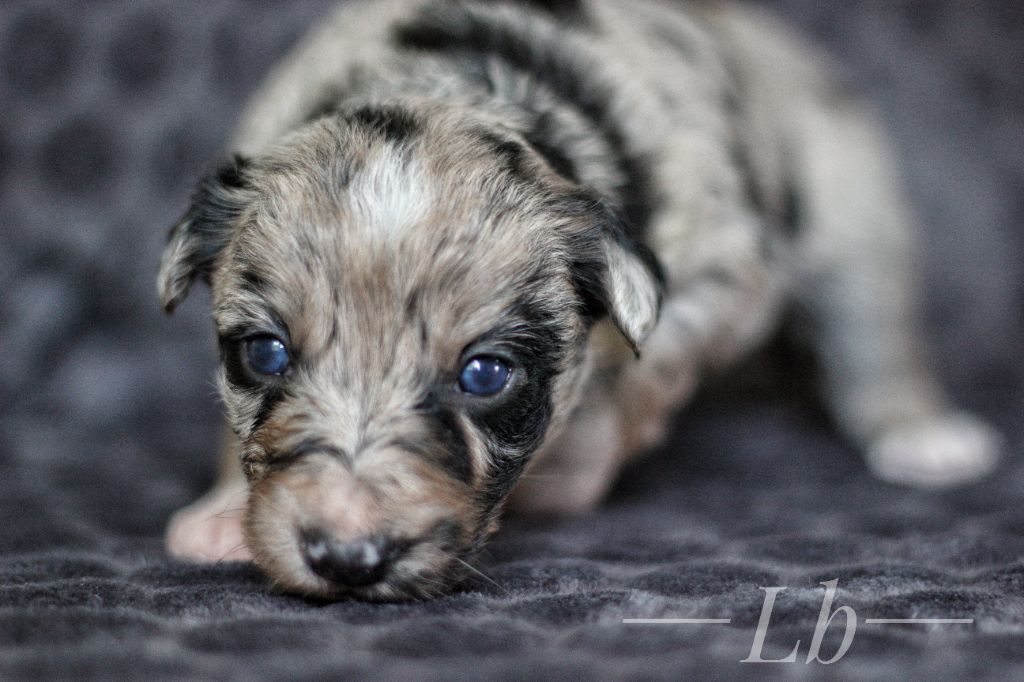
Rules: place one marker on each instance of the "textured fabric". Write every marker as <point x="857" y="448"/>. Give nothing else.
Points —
<point x="108" y="417"/>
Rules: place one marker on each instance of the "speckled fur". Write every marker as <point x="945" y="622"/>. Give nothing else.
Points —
<point x="423" y="177"/>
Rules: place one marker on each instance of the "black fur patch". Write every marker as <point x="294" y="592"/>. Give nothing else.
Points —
<point x="588" y="266"/>
<point x="253" y="282"/>
<point x="542" y="138"/>
<point x="280" y="459"/>
<point x="271" y="397"/>
<point x="449" y="449"/>
<point x="567" y="11"/>
<point x="392" y="123"/>
<point x="457" y="29"/>
<point x="515" y="423"/>
<point x="513" y="156"/>
<point x="215" y="207"/>
<point x="232" y="174"/>
<point x="517" y="158"/>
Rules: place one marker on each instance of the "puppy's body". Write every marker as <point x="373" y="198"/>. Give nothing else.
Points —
<point x="424" y="181"/>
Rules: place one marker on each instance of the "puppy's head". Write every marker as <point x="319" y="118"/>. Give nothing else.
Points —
<point x="403" y="298"/>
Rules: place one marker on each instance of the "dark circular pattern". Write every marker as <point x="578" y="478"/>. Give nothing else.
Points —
<point x="983" y="85"/>
<point x="80" y="157"/>
<point x="178" y="155"/>
<point x="234" y="59"/>
<point x="39" y="52"/>
<point x="140" y="53"/>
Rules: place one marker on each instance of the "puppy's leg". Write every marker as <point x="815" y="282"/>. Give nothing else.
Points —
<point x="210" y="529"/>
<point x="861" y="293"/>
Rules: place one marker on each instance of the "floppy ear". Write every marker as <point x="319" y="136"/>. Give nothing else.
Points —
<point x="203" y="232"/>
<point x="617" y="275"/>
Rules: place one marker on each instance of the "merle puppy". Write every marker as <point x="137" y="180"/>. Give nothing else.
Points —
<point x="459" y="239"/>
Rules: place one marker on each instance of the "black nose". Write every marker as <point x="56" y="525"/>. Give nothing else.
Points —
<point x="349" y="564"/>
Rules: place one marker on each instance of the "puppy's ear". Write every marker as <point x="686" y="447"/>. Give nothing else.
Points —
<point x="617" y="275"/>
<point x="203" y="232"/>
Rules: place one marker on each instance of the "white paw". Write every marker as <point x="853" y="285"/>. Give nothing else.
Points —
<point x="210" y="529"/>
<point x="940" y="452"/>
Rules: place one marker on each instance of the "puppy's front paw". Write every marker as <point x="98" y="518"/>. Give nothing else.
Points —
<point x="210" y="529"/>
<point x="940" y="452"/>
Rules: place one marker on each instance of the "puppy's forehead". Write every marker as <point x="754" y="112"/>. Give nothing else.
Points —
<point x="375" y="226"/>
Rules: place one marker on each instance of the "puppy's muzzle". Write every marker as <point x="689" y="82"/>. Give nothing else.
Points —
<point x="384" y="524"/>
<point x="349" y="564"/>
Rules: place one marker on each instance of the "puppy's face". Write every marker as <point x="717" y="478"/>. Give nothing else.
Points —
<point x="403" y="299"/>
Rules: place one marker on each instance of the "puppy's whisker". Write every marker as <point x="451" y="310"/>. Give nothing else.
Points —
<point x="481" y="574"/>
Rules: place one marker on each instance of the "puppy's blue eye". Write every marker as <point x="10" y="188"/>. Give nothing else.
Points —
<point x="484" y="375"/>
<point x="266" y="355"/>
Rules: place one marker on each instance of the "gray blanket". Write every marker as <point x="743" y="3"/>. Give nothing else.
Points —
<point x="108" y="415"/>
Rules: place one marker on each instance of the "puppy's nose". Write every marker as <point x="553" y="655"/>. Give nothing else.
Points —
<point x="349" y="564"/>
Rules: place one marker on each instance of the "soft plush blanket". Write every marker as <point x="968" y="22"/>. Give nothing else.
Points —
<point x="108" y="416"/>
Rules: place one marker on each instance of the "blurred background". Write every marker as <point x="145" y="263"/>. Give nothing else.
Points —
<point x="108" y="413"/>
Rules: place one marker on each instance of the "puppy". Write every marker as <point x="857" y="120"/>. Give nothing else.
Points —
<point x="459" y="239"/>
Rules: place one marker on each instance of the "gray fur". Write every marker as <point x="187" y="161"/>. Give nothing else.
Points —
<point x="621" y="183"/>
